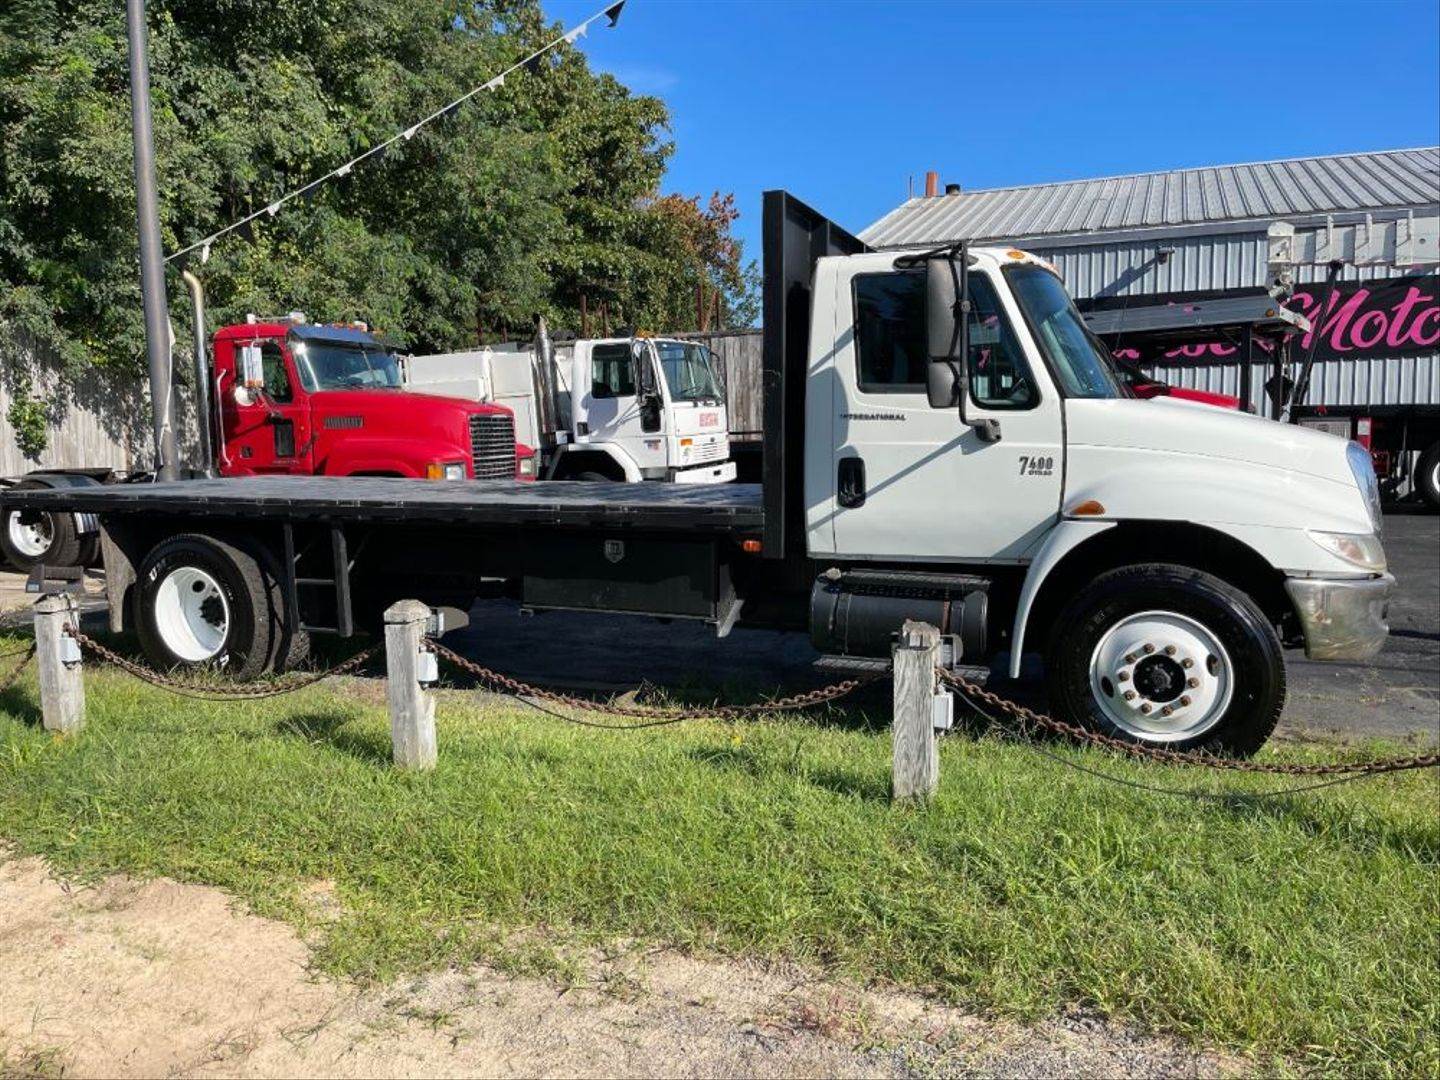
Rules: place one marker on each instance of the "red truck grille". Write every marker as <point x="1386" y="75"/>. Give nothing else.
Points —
<point x="492" y="446"/>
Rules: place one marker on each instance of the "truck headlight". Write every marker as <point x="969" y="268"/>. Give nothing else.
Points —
<point x="527" y="467"/>
<point x="1358" y="549"/>
<point x="1363" y="469"/>
<point x="445" y="470"/>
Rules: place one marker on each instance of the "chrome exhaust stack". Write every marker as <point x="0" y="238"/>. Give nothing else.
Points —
<point x="203" y="405"/>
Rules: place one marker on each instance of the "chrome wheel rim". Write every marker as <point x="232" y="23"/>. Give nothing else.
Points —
<point x="1161" y="676"/>
<point x="33" y="538"/>
<point x="192" y="615"/>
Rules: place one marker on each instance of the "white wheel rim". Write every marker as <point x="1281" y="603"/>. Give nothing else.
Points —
<point x="192" y="614"/>
<point x="1178" y="677"/>
<point x="31" y="539"/>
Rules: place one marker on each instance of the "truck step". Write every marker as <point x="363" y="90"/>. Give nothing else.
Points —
<point x="874" y="665"/>
<point x="916" y="583"/>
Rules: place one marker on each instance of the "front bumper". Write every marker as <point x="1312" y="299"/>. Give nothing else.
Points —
<point x="1343" y="618"/>
<point x="722" y="473"/>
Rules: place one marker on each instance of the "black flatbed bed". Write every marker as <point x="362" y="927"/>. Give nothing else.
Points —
<point x="711" y="508"/>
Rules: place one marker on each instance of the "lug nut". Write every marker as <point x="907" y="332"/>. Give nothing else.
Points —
<point x="1192" y="682"/>
<point x="1129" y="658"/>
<point x="1145" y="708"/>
<point x="1169" y="650"/>
<point x="1166" y="711"/>
<point x="1123" y="676"/>
<point x="1187" y="663"/>
<point x="1185" y="700"/>
<point x="1129" y="695"/>
<point x="1149" y="648"/>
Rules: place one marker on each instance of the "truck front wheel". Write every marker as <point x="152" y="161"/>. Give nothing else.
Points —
<point x="1169" y="656"/>
<point x="200" y="600"/>
<point x="1427" y="476"/>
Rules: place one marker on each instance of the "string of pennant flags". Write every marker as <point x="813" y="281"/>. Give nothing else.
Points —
<point x="610" y="12"/>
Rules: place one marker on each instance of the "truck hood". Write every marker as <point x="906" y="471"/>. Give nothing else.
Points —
<point x="392" y="402"/>
<point x="1172" y="425"/>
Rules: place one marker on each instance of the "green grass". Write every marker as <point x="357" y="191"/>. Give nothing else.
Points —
<point x="1302" y="928"/>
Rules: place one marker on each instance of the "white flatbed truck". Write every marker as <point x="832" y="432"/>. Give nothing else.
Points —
<point x="945" y="441"/>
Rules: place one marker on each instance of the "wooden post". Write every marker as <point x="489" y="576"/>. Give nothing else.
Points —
<point x="412" y="710"/>
<point x="62" y="690"/>
<point x="915" y="771"/>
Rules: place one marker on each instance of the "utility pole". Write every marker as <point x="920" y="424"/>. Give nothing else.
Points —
<point x="152" y="266"/>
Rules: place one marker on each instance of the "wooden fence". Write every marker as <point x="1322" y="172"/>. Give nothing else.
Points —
<point x="97" y="419"/>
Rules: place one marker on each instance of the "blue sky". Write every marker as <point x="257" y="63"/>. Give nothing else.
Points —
<point x="843" y="101"/>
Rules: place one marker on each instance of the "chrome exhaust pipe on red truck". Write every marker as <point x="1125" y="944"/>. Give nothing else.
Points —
<point x="203" y="408"/>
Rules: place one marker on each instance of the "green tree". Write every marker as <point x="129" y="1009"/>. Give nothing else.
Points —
<point x="525" y="199"/>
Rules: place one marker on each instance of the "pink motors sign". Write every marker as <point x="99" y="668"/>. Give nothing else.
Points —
<point x="1392" y="317"/>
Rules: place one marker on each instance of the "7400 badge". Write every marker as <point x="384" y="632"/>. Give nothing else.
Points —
<point x="1036" y="466"/>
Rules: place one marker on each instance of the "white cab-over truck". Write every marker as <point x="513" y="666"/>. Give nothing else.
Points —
<point x="945" y="441"/>
<point x="630" y="409"/>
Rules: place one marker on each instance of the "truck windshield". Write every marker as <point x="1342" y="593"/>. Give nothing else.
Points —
<point x="1080" y="363"/>
<point x="689" y="371"/>
<point x="333" y="365"/>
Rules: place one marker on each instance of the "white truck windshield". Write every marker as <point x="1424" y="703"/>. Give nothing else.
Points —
<point x="1079" y="361"/>
<point x="689" y="371"/>
<point x="332" y="365"/>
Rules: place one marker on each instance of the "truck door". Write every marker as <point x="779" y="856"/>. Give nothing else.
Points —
<point x="612" y="408"/>
<point x="269" y="432"/>
<point x="912" y="482"/>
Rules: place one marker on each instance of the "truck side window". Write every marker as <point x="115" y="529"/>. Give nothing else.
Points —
<point x="277" y="378"/>
<point x="890" y="332"/>
<point x="999" y="376"/>
<point x="890" y="343"/>
<point x="610" y="374"/>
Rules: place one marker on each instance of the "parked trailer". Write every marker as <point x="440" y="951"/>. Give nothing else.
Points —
<point x="944" y="442"/>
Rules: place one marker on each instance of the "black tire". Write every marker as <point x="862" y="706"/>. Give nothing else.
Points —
<point x="249" y="642"/>
<point x="290" y="644"/>
<point x="591" y="477"/>
<point x="1427" y="476"/>
<point x="64" y="547"/>
<point x="1229" y="615"/>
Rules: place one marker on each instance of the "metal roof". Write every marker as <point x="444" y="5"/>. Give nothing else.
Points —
<point x="1267" y="190"/>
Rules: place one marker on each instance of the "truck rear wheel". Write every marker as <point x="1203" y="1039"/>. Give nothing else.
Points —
<point x="31" y="537"/>
<point x="200" y="600"/>
<point x="1166" y="655"/>
<point x="1427" y="476"/>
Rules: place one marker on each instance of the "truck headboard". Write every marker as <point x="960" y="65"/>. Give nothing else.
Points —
<point x="793" y="236"/>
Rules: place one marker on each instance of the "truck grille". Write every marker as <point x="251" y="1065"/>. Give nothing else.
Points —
<point x="715" y="450"/>
<point x="492" y="446"/>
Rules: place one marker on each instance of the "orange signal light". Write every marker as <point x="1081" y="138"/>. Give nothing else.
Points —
<point x="1088" y="508"/>
<point x="751" y="547"/>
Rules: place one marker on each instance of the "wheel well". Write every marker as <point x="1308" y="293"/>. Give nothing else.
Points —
<point x="578" y="461"/>
<point x="376" y="472"/>
<point x="1195" y="546"/>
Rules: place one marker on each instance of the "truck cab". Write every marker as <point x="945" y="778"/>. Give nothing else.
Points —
<point x="292" y="397"/>
<point x="642" y="409"/>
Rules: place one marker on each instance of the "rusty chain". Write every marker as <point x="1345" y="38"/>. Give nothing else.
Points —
<point x="1030" y="720"/>
<point x="9" y="680"/>
<point x="654" y="716"/>
<point x="209" y="691"/>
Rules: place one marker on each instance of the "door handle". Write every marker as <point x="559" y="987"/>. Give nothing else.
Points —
<point x="850" y="482"/>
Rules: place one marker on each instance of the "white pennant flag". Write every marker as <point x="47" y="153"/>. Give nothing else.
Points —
<point x="576" y="34"/>
<point x="495" y="83"/>
<point x="273" y="209"/>
<point x="409" y="132"/>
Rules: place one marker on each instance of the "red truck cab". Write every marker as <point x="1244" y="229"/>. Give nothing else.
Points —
<point x="329" y="402"/>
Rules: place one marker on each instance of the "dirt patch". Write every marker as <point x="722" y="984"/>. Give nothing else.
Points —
<point x="156" y="978"/>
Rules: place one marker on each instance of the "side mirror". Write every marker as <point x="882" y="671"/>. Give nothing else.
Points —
<point x="643" y="370"/>
<point x="252" y="370"/>
<point x="947" y="334"/>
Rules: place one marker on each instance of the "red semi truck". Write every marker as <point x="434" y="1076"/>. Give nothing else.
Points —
<point x="285" y="396"/>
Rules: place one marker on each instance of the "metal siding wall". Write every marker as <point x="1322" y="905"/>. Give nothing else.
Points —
<point x="1238" y="261"/>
